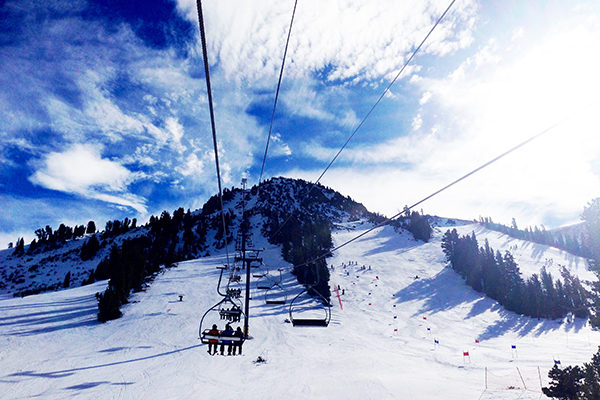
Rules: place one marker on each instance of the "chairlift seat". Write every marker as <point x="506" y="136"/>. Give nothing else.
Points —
<point x="310" y="322"/>
<point x="230" y="313"/>
<point x="220" y="339"/>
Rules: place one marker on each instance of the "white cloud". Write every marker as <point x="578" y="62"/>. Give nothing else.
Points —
<point x="417" y="122"/>
<point x="82" y="170"/>
<point x="176" y="130"/>
<point x="517" y="33"/>
<point x="425" y="98"/>
<point x="193" y="165"/>
<point x="279" y="148"/>
<point x="356" y="39"/>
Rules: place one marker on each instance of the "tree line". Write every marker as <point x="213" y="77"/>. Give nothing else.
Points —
<point x="498" y="277"/>
<point x="585" y="244"/>
<point x="47" y="239"/>
<point x="133" y="263"/>
<point x="574" y="244"/>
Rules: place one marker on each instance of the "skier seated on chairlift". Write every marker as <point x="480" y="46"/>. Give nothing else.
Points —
<point x="240" y="335"/>
<point x="235" y="317"/>
<point x="212" y="343"/>
<point x="227" y="332"/>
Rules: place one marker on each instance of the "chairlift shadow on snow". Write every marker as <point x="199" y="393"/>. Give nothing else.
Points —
<point x="52" y="320"/>
<point x="90" y="385"/>
<point x="72" y="371"/>
<point x="36" y="316"/>
<point x="46" y="329"/>
<point x="76" y="300"/>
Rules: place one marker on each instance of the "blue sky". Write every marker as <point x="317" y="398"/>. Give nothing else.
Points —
<point x="103" y="110"/>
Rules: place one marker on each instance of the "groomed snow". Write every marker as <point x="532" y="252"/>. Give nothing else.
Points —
<point x="380" y="346"/>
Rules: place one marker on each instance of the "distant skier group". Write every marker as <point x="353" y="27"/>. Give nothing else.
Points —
<point x="232" y="346"/>
<point x="363" y="268"/>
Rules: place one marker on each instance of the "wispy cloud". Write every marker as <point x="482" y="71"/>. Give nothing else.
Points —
<point x="81" y="170"/>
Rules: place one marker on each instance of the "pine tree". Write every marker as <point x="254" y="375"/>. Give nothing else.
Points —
<point x="591" y="217"/>
<point x="91" y="227"/>
<point x="19" y="247"/>
<point x="591" y="378"/>
<point x="108" y="304"/>
<point x="67" y="281"/>
<point x="89" y="248"/>
<point x="566" y="384"/>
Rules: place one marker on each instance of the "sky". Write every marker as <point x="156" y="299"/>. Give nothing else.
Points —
<point x="104" y="111"/>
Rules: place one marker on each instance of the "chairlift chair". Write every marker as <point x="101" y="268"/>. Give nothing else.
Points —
<point x="296" y="312"/>
<point x="261" y="271"/>
<point x="225" y="307"/>
<point x="275" y="295"/>
<point x="263" y="283"/>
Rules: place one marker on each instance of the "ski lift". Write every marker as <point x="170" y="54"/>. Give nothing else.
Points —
<point x="226" y="309"/>
<point x="310" y="315"/>
<point x="261" y="271"/>
<point x="263" y="283"/>
<point x="275" y="295"/>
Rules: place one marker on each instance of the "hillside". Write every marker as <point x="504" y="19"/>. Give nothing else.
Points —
<point x="180" y="235"/>
<point x="401" y="330"/>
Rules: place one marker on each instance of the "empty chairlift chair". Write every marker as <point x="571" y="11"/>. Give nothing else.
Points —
<point x="317" y="315"/>
<point x="275" y="295"/>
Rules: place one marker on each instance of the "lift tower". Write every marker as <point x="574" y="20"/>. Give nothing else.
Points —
<point x="248" y="256"/>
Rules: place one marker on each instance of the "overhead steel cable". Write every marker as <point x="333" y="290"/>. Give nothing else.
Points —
<point x="387" y="89"/>
<point x="388" y="220"/>
<point x="212" y="120"/>
<point x="277" y="94"/>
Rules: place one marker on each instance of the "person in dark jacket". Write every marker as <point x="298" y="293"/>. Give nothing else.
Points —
<point x="227" y="332"/>
<point x="239" y="334"/>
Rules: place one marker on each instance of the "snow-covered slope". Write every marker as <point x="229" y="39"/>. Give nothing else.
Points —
<point x="401" y="330"/>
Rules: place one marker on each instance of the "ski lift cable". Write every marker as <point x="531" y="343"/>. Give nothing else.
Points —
<point x="387" y="89"/>
<point x="212" y="119"/>
<point x="386" y="221"/>
<point x="277" y="94"/>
